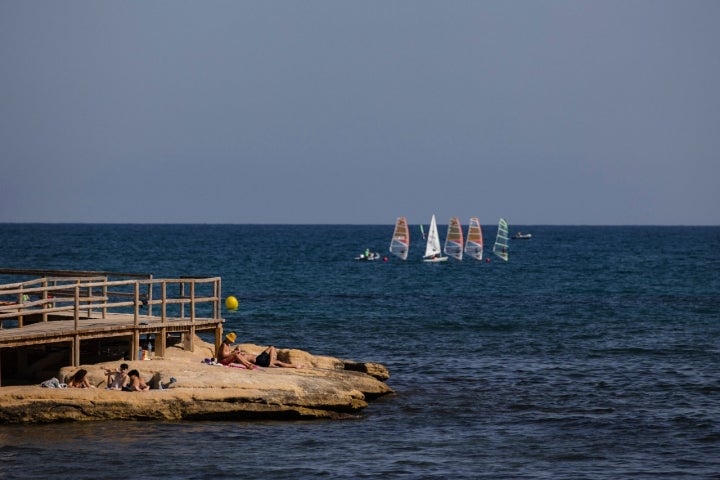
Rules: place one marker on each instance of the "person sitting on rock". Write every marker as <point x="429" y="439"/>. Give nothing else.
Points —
<point x="79" y="380"/>
<point x="227" y="355"/>
<point x="117" y="379"/>
<point x="136" y="383"/>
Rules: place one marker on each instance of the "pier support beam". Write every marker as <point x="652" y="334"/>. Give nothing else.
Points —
<point x="218" y="337"/>
<point x="76" y="351"/>
<point x="161" y="342"/>
<point x="135" y="347"/>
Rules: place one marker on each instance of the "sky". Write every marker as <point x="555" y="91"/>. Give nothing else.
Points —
<point x="578" y="112"/>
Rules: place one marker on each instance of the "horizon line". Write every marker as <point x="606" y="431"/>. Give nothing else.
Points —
<point x="355" y="224"/>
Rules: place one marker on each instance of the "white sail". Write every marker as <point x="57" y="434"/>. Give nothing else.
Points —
<point x="400" y="243"/>
<point x="432" y="247"/>
<point x="454" y="239"/>
<point x="501" y="240"/>
<point x="474" y="244"/>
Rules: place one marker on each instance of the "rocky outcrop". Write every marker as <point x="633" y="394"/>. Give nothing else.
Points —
<point x="325" y="388"/>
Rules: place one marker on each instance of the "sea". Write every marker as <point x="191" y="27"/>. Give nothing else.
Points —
<point x="592" y="353"/>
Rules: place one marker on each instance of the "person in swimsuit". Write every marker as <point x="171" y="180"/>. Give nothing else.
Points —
<point x="136" y="383"/>
<point x="227" y="355"/>
<point x="79" y="380"/>
<point x="117" y="379"/>
<point x="268" y="358"/>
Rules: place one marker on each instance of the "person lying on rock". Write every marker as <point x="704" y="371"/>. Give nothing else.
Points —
<point x="136" y="384"/>
<point x="79" y="380"/>
<point x="268" y="358"/>
<point x="117" y="379"/>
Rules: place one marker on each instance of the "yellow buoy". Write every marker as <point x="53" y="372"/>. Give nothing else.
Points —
<point x="231" y="303"/>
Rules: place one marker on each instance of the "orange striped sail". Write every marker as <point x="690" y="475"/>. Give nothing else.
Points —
<point x="454" y="239"/>
<point x="400" y="243"/>
<point x="474" y="245"/>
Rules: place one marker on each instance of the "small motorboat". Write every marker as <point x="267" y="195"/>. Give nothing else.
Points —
<point x="368" y="256"/>
<point x="522" y="236"/>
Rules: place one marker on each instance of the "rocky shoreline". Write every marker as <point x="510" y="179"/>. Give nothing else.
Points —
<point x="326" y="388"/>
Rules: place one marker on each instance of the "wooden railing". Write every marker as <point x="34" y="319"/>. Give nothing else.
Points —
<point x="83" y="297"/>
<point x="89" y="306"/>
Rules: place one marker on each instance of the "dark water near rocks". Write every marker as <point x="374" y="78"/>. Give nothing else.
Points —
<point x="593" y="353"/>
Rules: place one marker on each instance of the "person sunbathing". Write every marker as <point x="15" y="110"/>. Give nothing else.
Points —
<point x="268" y="358"/>
<point x="117" y="379"/>
<point x="227" y="355"/>
<point x="136" y="383"/>
<point x="79" y="380"/>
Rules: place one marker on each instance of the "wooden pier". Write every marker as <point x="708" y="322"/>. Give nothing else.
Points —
<point x="79" y="316"/>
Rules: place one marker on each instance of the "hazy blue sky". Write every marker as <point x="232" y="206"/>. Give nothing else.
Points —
<point x="544" y="112"/>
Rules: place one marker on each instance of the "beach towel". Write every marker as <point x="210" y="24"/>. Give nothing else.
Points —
<point x="240" y="365"/>
<point x="212" y="361"/>
<point x="53" y="383"/>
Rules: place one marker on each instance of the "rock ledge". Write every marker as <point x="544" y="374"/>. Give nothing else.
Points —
<point x="326" y="388"/>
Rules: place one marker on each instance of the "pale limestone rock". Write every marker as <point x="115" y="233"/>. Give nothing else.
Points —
<point x="325" y="388"/>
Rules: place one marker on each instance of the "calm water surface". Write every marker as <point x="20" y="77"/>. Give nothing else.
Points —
<point x="593" y="353"/>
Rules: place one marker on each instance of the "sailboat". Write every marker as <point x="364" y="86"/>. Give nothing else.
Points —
<point x="454" y="239"/>
<point x="400" y="243"/>
<point x="501" y="240"/>
<point x="432" y="247"/>
<point x="474" y="245"/>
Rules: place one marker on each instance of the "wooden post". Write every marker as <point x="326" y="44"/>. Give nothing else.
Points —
<point x="136" y="302"/>
<point x="150" y="296"/>
<point x="217" y="307"/>
<point x="89" y="295"/>
<point x="20" y="308"/>
<point x="163" y="305"/>
<point x="135" y="345"/>
<point x="192" y="301"/>
<point x="192" y="315"/>
<point x="161" y="342"/>
<point x="182" y="299"/>
<point x="218" y="337"/>
<point x="105" y="299"/>
<point x="136" y="333"/>
<point x="191" y="340"/>
<point x="76" y="351"/>
<point x="77" y="307"/>
<point x="44" y="297"/>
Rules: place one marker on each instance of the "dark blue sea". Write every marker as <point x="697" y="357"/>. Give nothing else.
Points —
<point x="594" y="352"/>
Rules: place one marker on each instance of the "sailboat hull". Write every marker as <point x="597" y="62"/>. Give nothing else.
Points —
<point x="435" y="260"/>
